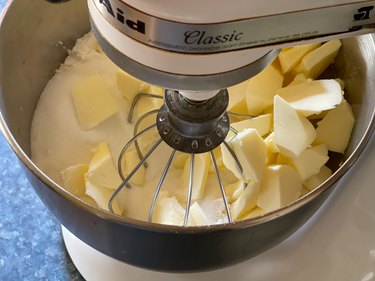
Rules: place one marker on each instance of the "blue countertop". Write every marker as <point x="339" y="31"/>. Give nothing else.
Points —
<point x="31" y="245"/>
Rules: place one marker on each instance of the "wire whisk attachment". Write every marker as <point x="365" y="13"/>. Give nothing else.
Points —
<point x="191" y="127"/>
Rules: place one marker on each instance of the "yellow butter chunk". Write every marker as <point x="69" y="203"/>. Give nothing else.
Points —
<point x="315" y="62"/>
<point x="93" y="102"/>
<point x="293" y="132"/>
<point x="312" y="97"/>
<point x="101" y="195"/>
<point x="180" y="160"/>
<point x="73" y="179"/>
<point x="336" y="128"/>
<point x="246" y="201"/>
<point x="170" y="212"/>
<point x="147" y="104"/>
<point x="131" y="159"/>
<point x="102" y="170"/>
<point x="128" y="85"/>
<point x="262" y="88"/>
<point x="272" y="149"/>
<point x="300" y="77"/>
<point x="219" y="160"/>
<point x="280" y="186"/>
<point x="310" y="161"/>
<point x="291" y="57"/>
<point x="270" y="142"/>
<point x="237" y="102"/>
<point x="251" y="151"/>
<point x="261" y="123"/>
<point x="201" y="169"/>
<point x="304" y="191"/>
<point x="234" y="190"/>
<point x="256" y="212"/>
<point x="154" y="90"/>
<point x="316" y="180"/>
<point x="198" y="215"/>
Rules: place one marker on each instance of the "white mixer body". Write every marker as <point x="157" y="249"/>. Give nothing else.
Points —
<point x="228" y="41"/>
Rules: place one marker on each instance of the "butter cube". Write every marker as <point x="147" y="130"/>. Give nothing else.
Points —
<point x="272" y="149"/>
<point x="180" y="160"/>
<point x="155" y="90"/>
<point x="234" y="190"/>
<point x="237" y="102"/>
<point x="316" y="180"/>
<point x="145" y="105"/>
<point x="262" y="88"/>
<point x="93" y="102"/>
<point x="304" y="191"/>
<point x="201" y="169"/>
<point x="315" y="62"/>
<point x="73" y="179"/>
<point x="246" y="201"/>
<point x="102" y="170"/>
<point x="128" y="85"/>
<point x="291" y="57"/>
<point x="293" y="132"/>
<point x="300" y="77"/>
<point x="261" y="123"/>
<point x="198" y="215"/>
<point x="170" y="212"/>
<point x="251" y="151"/>
<point x="312" y="97"/>
<point x="256" y="212"/>
<point x="310" y="161"/>
<point x="270" y="142"/>
<point x="319" y="116"/>
<point x="131" y="160"/>
<point x="101" y="195"/>
<point x="280" y="186"/>
<point x="336" y="128"/>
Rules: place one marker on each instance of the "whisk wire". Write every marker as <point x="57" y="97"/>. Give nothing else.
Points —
<point x="135" y="101"/>
<point x="240" y="115"/>
<point x="190" y="189"/>
<point x="131" y="174"/>
<point x="221" y="187"/>
<point x="126" y="147"/>
<point x="135" y="132"/>
<point x="158" y="188"/>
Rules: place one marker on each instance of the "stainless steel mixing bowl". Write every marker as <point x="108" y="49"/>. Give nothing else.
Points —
<point x="33" y="37"/>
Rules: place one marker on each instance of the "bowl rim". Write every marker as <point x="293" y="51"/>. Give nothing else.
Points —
<point x="106" y="215"/>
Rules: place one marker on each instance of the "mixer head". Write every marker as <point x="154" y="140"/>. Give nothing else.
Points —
<point x="194" y="46"/>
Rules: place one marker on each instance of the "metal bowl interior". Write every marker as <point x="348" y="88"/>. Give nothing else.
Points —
<point x="34" y="44"/>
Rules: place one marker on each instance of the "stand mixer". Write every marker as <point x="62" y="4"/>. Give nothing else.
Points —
<point x="195" y="53"/>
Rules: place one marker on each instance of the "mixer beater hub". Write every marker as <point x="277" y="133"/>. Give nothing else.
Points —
<point x="192" y="126"/>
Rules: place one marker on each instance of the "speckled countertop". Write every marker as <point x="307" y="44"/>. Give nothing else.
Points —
<point x="31" y="245"/>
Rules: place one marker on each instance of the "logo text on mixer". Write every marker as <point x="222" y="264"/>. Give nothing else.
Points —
<point x="363" y="13"/>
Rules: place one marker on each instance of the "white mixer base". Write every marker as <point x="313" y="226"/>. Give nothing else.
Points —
<point x="92" y="264"/>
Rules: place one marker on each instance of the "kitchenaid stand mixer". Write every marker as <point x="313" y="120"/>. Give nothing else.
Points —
<point x="203" y="71"/>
